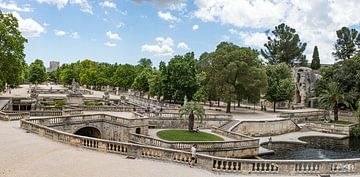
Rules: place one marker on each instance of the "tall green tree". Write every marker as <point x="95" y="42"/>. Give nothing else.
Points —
<point x="347" y="43"/>
<point x="141" y="82"/>
<point x="193" y="110"/>
<point x="231" y="71"/>
<point x="284" y="45"/>
<point x="280" y="84"/>
<point x="332" y="97"/>
<point x="11" y="51"/>
<point x="145" y="63"/>
<point x="124" y="76"/>
<point x="315" y="62"/>
<point x="179" y="77"/>
<point x="37" y="72"/>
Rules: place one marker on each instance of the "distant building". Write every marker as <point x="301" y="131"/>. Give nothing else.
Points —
<point x="54" y="65"/>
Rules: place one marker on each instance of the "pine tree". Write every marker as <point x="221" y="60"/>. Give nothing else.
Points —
<point x="315" y="63"/>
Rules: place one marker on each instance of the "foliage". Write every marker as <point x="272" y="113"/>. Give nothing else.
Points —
<point x="145" y="63"/>
<point x="280" y="83"/>
<point x="233" y="73"/>
<point x="347" y="44"/>
<point x="343" y="122"/>
<point x="332" y="97"/>
<point x="37" y="72"/>
<point x="90" y="103"/>
<point x="124" y="76"/>
<point x="183" y="135"/>
<point x="315" y="63"/>
<point x="60" y="103"/>
<point x="141" y="82"/>
<point x="193" y="110"/>
<point x="284" y="46"/>
<point x="12" y="54"/>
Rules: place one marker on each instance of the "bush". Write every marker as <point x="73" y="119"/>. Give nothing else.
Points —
<point x="60" y="103"/>
<point x="89" y="103"/>
<point x="355" y="131"/>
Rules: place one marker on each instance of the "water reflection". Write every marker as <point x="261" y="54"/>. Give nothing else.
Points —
<point x="317" y="148"/>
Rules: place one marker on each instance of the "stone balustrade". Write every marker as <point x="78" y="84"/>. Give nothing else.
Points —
<point x="165" y="115"/>
<point x="232" y="135"/>
<point x="52" y="121"/>
<point x="218" y="164"/>
<point x="201" y="145"/>
<point x="146" y="102"/>
<point x="11" y="115"/>
<point x="331" y="128"/>
<point x="108" y="108"/>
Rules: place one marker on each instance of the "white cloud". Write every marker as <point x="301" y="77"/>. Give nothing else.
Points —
<point x="108" y="4"/>
<point x="84" y="4"/>
<point x="120" y="25"/>
<point x="14" y="7"/>
<point x="113" y="36"/>
<point x="183" y="45"/>
<point x="109" y="44"/>
<point x="162" y="48"/>
<point x="253" y="39"/>
<point x="172" y="4"/>
<point x="74" y="35"/>
<point x="171" y="26"/>
<point x="28" y="27"/>
<point x="195" y="27"/>
<point x="46" y="24"/>
<point x="59" y="33"/>
<point x="167" y="16"/>
<point x="315" y="21"/>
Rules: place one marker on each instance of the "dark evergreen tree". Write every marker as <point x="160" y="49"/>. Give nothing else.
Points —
<point x="284" y="46"/>
<point x="347" y="44"/>
<point x="315" y="63"/>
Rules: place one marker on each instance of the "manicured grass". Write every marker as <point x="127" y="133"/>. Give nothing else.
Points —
<point x="185" y="135"/>
<point x="344" y="122"/>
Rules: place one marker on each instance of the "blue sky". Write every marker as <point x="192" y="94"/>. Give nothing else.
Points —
<point x="124" y="31"/>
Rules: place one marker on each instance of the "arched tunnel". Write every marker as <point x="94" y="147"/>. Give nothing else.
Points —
<point x="89" y="131"/>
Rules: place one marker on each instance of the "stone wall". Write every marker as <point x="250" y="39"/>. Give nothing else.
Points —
<point x="163" y="123"/>
<point x="331" y="128"/>
<point x="266" y="128"/>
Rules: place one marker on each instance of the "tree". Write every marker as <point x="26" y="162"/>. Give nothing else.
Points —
<point x="347" y="43"/>
<point x="141" y="82"/>
<point x="37" y="72"/>
<point x="145" y="63"/>
<point x="231" y="71"/>
<point x="179" y="77"/>
<point x="284" y="46"/>
<point x="124" y="76"/>
<point x="192" y="109"/>
<point x="315" y="63"/>
<point x="280" y="83"/>
<point x="11" y="51"/>
<point x="332" y="97"/>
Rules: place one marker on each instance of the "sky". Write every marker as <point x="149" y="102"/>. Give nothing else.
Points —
<point x="124" y="31"/>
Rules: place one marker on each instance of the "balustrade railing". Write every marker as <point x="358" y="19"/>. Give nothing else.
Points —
<point x="9" y="116"/>
<point x="208" y="162"/>
<point x="177" y="115"/>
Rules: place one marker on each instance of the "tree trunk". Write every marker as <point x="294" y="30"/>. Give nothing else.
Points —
<point x="228" y="106"/>
<point x="191" y="121"/>
<point x="336" y="113"/>
<point x="238" y="103"/>
<point x="274" y="105"/>
<point x="218" y="102"/>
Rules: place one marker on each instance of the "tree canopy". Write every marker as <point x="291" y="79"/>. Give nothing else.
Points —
<point x="284" y="45"/>
<point x="37" y="72"/>
<point x="12" y="54"/>
<point x="347" y="44"/>
<point x="315" y="62"/>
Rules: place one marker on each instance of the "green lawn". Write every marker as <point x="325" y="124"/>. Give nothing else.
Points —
<point x="344" y="122"/>
<point x="185" y="135"/>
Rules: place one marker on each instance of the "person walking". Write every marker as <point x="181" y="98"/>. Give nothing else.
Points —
<point x="193" y="155"/>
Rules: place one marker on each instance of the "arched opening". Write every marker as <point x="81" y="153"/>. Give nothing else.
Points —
<point x="138" y="130"/>
<point x="89" y="131"/>
<point x="298" y="96"/>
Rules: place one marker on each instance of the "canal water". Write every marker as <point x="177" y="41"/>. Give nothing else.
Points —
<point x="316" y="148"/>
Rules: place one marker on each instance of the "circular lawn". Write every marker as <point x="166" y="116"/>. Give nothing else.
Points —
<point x="185" y="135"/>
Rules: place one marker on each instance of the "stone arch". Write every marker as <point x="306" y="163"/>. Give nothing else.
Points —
<point x="89" y="132"/>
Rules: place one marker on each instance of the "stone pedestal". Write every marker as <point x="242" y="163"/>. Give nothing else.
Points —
<point x="76" y="99"/>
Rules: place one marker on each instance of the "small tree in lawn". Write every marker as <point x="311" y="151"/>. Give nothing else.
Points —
<point x="193" y="109"/>
<point x="332" y="98"/>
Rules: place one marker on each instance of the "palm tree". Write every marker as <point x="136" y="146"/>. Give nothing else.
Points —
<point x="332" y="98"/>
<point x="193" y="109"/>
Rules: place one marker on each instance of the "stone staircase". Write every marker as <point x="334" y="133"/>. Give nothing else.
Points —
<point x="4" y="104"/>
<point x="230" y="125"/>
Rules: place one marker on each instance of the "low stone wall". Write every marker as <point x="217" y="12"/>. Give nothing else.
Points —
<point x="301" y="117"/>
<point x="266" y="128"/>
<point x="331" y="128"/>
<point x="9" y="115"/>
<point x="218" y="164"/>
<point x="108" y="108"/>
<point x="232" y="135"/>
<point x="237" y="148"/>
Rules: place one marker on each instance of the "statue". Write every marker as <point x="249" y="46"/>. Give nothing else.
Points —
<point x="75" y="87"/>
<point x="185" y="100"/>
